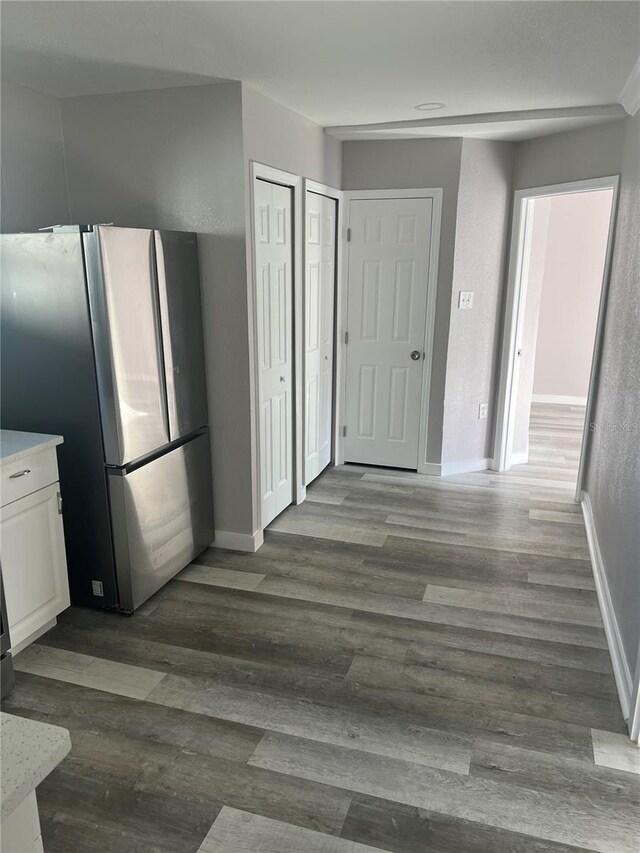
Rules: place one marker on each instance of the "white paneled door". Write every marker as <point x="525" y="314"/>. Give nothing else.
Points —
<point x="319" y="334"/>
<point x="386" y="316"/>
<point x="274" y="297"/>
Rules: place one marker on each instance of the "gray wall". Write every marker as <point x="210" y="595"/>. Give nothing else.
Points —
<point x="173" y="159"/>
<point x="34" y="185"/>
<point x="482" y="228"/>
<point x="593" y="152"/>
<point x="409" y="164"/>
<point x="613" y="473"/>
<point x="278" y="137"/>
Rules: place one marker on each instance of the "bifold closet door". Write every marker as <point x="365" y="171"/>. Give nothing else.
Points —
<point x="386" y="318"/>
<point x="320" y="281"/>
<point x="274" y="302"/>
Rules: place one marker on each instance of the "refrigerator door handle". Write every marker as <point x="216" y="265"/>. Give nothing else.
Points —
<point x="160" y="344"/>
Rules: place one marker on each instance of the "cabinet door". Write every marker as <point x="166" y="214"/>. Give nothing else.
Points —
<point x="33" y="562"/>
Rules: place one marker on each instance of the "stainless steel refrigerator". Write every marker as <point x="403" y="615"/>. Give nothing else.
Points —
<point x="101" y="341"/>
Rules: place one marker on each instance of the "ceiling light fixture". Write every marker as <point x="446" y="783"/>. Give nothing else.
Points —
<point x="430" y="105"/>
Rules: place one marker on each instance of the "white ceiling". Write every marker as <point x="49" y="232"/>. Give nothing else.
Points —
<point x="338" y="63"/>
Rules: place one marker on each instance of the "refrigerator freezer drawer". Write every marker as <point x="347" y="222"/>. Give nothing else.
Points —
<point x="162" y="517"/>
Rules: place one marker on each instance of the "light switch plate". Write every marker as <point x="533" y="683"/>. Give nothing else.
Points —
<point x="483" y="411"/>
<point x="465" y="299"/>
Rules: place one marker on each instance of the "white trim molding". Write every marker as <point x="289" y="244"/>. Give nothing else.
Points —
<point x="520" y="458"/>
<point x="630" y="94"/>
<point x="432" y="469"/>
<point x="621" y="671"/>
<point x="634" y="710"/>
<point x="322" y="189"/>
<point x="559" y="400"/>
<point x="230" y="541"/>
<point x="435" y="194"/>
<point x="464" y="466"/>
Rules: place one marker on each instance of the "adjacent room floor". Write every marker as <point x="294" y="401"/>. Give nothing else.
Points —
<point x="408" y="664"/>
<point x="555" y="441"/>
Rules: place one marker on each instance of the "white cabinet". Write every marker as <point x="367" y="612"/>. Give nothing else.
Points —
<point x="21" y="829"/>
<point x="30" y="751"/>
<point x="32" y="550"/>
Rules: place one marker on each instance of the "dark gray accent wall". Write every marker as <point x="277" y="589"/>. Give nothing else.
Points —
<point x="173" y="158"/>
<point x="411" y="164"/>
<point x="34" y="183"/>
<point x="613" y="472"/>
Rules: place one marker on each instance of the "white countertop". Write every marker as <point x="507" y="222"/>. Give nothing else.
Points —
<point x="30" y="751"/>
<point x="16" y="445"/>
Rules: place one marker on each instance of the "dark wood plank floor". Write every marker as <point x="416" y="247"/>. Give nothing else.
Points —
<point x="408" y="664"/>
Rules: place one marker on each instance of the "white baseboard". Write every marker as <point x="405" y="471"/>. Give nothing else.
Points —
<point x="238" y="541"/>
<point x="520" y="458"/>
<point x="465" y="466"/>
<point x="559" y="399"/>
<point x="621" y="670"/>
<point x="433" y="469"/>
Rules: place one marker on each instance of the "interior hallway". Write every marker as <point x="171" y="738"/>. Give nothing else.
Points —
<point x="408" y="664"/>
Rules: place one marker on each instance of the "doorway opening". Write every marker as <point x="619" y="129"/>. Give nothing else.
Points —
<point x="556" y="301"/>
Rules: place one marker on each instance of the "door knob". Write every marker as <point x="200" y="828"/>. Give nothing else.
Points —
<point x="415" y="355"/>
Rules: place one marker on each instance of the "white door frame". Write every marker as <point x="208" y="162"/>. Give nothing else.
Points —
<point x="338" y="350"/>
<point x="435" y="194"/>
<point x="295" y="182"/>
<point x="515" y="300"/>
<point x="634" y="710"/>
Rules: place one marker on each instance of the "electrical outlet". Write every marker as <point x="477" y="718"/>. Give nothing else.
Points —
<point x="483" y="411"/>
<point x="465" y="299"/>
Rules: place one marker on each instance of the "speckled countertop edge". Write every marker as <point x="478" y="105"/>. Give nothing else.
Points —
<point x="15" y="445"/>
<point x="30" y="750"/>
